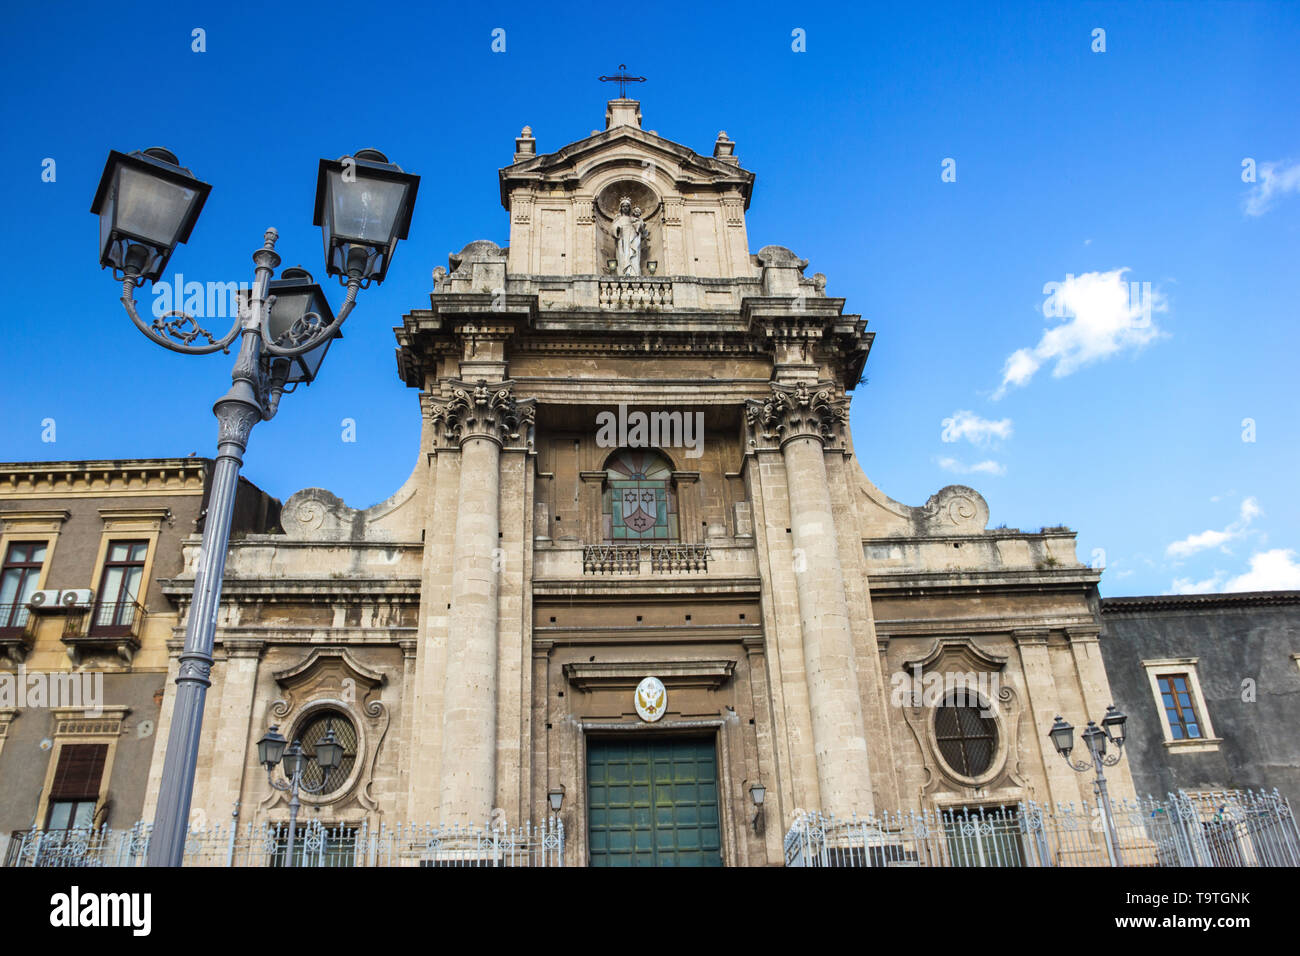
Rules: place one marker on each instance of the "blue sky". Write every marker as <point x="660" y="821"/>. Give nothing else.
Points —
<point x="1069" y="163"/>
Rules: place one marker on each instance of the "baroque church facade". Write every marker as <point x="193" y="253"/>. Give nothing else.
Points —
<point x="639" y="567"/>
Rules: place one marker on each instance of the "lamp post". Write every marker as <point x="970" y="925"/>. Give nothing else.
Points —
<point x="1112" y="729"/>
<point x="147" y="205"/>
<point x="271" y="749"/>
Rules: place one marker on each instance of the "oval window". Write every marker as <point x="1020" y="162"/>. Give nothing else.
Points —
<point x="967" y="739"/>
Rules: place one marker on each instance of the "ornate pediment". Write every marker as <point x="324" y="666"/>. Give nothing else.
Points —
<point x="625" y="147"/>
<point x="330" y="666"/>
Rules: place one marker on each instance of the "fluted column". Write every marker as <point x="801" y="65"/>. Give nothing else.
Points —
<point x="801" y="419"/>
<point x="479" y="418"/>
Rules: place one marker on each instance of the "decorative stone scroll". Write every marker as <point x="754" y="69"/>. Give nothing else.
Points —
<point x="954" y="509"/>
<point x="797" y="411"/>
<point x="482" y="410"/>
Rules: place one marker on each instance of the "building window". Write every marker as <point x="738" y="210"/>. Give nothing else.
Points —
<point x="1184" y="718"/>
<point x="967" y="740"/>
<point x="639" y="503"/>
<point x="310" y="733"/>
<point x="120" y="587"/>
<point x="74" y="793"/>
<point x="22" y="571"/>
<point x="1176" y="699"/>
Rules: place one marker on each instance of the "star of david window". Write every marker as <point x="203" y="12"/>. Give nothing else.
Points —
<point x="639" y="503"/>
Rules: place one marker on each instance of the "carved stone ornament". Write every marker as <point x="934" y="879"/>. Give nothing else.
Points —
<point x="482" y="410"/>
<point x="978" y="678"/>
<point x="797" y="411"/>
<point x="651" y="699"/>
<point x="332" y="679"/>
<point x="955" y="509"/>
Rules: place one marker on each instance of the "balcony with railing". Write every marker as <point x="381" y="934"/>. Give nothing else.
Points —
<point x="645" y="558"/>
<point x="109" y="625"/>
<point x="17" y="631"/>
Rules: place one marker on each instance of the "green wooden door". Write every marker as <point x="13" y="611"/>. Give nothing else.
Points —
<point x="653" y="803"/>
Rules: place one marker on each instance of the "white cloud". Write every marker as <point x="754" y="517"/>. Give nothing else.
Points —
<point x="982" y="467"/>
<point x="976" y="430"/>
<point x="1274" y="570"/>
<point x="1204" y="540"/>
<point x="1104" y="314"/>
<point x="1273" y="180"/>
<point x="1188" y="586"/>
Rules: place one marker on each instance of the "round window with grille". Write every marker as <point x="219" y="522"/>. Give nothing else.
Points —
<point x="967" y="740"/>
<point x="311" y="732"/>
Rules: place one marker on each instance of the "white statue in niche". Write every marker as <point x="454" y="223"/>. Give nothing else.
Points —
<point x="629" y="230"/>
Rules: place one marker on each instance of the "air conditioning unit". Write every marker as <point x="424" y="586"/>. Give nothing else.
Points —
<point x="75" y="597"/>
<point x="44" y="599"/>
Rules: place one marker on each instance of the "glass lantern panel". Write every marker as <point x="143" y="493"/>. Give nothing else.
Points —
<point x="365" y="210"/>
<point x="151" y="208"/>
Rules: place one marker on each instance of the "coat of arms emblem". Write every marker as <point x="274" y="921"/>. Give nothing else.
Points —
<point x="651" y="699"/>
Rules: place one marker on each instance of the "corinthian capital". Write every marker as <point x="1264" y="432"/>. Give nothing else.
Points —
<point x="797" y="411"/>
<point x="481" y="410"/>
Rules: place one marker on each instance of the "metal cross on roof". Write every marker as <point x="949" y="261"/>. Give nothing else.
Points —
<point x="622" y="78"/>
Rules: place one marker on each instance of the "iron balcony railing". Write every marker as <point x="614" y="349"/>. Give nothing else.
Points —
<point x="1231" y="828"/>
<point x="17" y="622"/>
<point x="315" y="845"/>
<point x="109" y="619"/>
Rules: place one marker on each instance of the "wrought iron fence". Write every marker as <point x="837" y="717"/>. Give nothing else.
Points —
<point x="1231" y="828"/>
<point x="315" y="845"/>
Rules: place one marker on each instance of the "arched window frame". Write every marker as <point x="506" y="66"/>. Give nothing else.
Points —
<point x="649" y="472"/>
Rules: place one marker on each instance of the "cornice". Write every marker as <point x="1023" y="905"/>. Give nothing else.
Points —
<point x="140" y="476"/>
<point x="1143" y="604"/>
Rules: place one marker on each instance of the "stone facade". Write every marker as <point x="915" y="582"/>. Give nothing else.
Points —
<point x="1241" y="655"/>
<point x="486" y="625"/>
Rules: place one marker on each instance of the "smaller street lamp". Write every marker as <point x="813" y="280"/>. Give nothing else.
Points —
<point x="1113" y="723"/>
<point x="556" y="798"/>
<point x="271" y="750"/>
<point x="1111" y="729"/>
<point x="757" y="794"/>
<point x="299" y="312"/>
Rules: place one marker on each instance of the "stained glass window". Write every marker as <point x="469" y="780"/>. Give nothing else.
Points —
<point x="639" y="504"/>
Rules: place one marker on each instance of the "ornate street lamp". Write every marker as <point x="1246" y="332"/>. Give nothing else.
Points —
<point x="1062" y="736"/>
<point x="271" y="749"/>
<point x="147" y="205"/>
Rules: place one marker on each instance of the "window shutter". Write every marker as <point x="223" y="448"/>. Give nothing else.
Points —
<point x="77" y="775"/>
